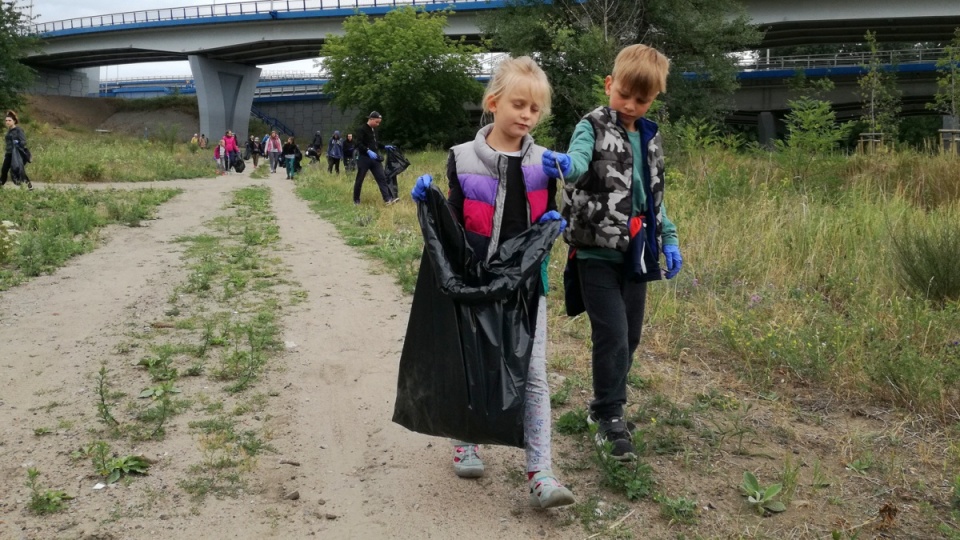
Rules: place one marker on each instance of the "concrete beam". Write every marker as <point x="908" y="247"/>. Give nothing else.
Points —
<point x="224" y="96"/>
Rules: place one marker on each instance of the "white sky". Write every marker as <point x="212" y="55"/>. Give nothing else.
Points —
<point x="56" y="10"/>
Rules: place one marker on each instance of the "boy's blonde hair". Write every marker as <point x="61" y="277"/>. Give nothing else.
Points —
<point x="514" y="72"/>
<point x="641" y="70"/>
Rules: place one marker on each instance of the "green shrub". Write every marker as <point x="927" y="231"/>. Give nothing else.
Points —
<point x="925" y="255"/>
<point x="91" y="172"/>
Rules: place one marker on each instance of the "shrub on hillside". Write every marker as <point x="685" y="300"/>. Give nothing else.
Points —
<point x="925" y="256"/>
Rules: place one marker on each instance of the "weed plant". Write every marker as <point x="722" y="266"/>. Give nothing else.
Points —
<point x="44" y="501"/>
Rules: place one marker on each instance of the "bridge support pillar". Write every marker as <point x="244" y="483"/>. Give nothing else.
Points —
<point x="224" y="96"/>
<point x="767" y="130"/>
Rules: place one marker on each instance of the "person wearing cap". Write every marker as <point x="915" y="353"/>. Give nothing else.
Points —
<point x="369" y="158"/>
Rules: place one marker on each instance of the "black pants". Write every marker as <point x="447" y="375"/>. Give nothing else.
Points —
<point x="333" y="163"/>
<point x="615" y="306"/>
<point x="364" y="164"/>
<point x="5" y="172"/>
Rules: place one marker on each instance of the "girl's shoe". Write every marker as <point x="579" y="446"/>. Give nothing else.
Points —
<point x="547" y="492"/>
<point x="466" y="462"/>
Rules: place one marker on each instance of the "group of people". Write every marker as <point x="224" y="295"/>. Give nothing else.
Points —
<point x="613" y="219"/>
<point x="200" y="141"/>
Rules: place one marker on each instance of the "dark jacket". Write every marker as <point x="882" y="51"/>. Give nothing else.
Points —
<point x="253" y="147"/>
<point x="290" y="149"/>
<point x="367" y="140"/>
<point x="349" y="145"/>
<point x="14" y="134"/>
<point x="317" y="141"/>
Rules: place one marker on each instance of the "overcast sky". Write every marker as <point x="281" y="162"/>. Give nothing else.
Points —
<point x="56" y="10"/>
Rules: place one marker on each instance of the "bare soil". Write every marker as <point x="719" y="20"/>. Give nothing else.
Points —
<point x="87" y="114"/>
<point x="358" y="475"/>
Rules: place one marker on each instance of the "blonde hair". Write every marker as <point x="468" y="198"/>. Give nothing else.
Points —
<point x="641" y="70"/>
<point x="514" y="72"/>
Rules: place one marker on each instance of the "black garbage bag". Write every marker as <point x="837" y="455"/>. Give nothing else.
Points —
<point x="464" y="364"/>
<point x="396" y="162"/>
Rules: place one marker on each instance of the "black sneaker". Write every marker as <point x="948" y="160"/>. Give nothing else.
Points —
<point x="593" y="420"/>
<point x="614" y="431"/>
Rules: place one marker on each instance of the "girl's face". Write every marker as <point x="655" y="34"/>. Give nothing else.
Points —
<point x="7" y="121"/>
<point x="515" y="113"/>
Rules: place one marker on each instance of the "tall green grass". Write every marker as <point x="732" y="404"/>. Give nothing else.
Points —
<point x="790" y="281"/>
<point x="44" y="228"/>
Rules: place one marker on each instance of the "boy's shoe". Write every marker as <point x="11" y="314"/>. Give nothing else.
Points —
<point x="466" y="462"/>
<point x="593" y="419"/>
<point x="547" y="492"/>
<point x="614" y="431"/>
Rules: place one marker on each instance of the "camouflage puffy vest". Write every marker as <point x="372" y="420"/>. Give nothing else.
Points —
<point x="598" y="206"/>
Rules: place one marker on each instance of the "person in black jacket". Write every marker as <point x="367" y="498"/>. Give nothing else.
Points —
<point x="349" y="157"/>
<point x="369" y="158"/>
<point x="14" y="141"/>
<point x="317" y="141"/>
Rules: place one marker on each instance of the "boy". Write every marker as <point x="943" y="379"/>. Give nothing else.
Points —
<point x="613" y="202"/>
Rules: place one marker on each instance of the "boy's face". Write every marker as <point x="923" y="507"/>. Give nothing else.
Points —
<point x="629" y="107"/>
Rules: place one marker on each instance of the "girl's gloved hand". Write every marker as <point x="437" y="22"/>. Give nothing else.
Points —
<point x="553" y="215"/>
<point x="674" y="260"/>
<point x="419" y="191"/>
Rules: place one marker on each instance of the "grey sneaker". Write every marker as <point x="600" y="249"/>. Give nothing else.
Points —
<point x="593" y="420"/>
<point x="547" y="492"/>
<point x="466" y="461"/>
<point x="614" y="431"/>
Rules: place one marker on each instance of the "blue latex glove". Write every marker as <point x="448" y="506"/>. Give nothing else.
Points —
<point x="553" y="215"/>
<point x="372" y="155"/>
<point x="419" y="191"/>
<point x="674" y="260"/>
<point x="390" y="147"/>
<point x="555" y="164"/>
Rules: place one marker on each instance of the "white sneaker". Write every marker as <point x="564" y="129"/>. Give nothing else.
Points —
<point x="466" y="461"/>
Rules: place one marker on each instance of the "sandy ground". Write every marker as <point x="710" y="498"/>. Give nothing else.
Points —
<point x="360" y="475"/>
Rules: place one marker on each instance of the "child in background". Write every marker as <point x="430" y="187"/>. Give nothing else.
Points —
<point x="618" y="225"/>
<point x="290" y="151"/>
<point x="497" y="184"/>
<point x="349" y="161"/>
<point x="222" y="157"/>
<point x="334" y="152"/>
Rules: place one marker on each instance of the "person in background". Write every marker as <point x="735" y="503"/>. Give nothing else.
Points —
<point x="233" y="149"/>
<point x="290" y="151"/>
<point x="203" y="141"/>
<point x="273" y="148"/>
<point x="613" y="197"/>
<point x="317" y="141"/>
<point x="349" y="153"/>
<point x="14" y="140"/>
<point x="222" y="157"/>
<point x="254" y="149"/>
<point x="195" y="140"/>
<point x="498" y="190"/>
<point x="369" y="159"/>
<point x="334" y="152"/>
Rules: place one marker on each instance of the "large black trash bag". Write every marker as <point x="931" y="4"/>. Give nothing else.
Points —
<point x="464" y="364"/>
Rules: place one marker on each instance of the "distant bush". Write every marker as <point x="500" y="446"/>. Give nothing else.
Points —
<point x="926" y="258"/>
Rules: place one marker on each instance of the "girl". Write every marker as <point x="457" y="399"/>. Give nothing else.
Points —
<point x="290" y="151"/>
<point x="503" y="154"/>
<point x="253" y="149"/>
<point x="272" y="148"/>
<point x="334" y="152"/>
<point x="221" y="156"/>
<point x="14" y="141"/>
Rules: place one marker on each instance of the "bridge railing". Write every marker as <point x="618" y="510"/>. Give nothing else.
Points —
<point x="265" y="7"/>
<point x="904" y="56"/>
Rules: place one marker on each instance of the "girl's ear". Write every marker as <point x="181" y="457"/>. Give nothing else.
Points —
<point x="492" y="104"/>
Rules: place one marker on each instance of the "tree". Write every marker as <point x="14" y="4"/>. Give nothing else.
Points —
<point x="879" y="94"/>
<point x="576" y="43"/>
<point x="15" y="77"/>
<point x="947" y="100"/>
<point x="812" y="129"/>
<point x="406" y="68"/>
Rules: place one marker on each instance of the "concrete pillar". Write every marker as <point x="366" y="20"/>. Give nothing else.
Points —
<point x="766" y="129"/>
<point x="224" y="96"/>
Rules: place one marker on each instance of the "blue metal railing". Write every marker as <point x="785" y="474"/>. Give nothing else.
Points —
<point x="262" y="7"/>
<point x="274" y="123"/>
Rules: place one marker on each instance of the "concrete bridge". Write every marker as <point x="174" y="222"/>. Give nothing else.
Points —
<point x="223" y="43"/>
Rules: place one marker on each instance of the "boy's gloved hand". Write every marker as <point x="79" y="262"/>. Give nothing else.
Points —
<point x="372" y="155"/>
<point x="419" y="191"/>
<point x="390" y="147"/>
<point x="553" y="215"/>
<point x="674" y="260"/>
<point x="556" y="164"/>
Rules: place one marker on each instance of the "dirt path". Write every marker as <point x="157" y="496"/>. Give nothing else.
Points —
<point x="360" y="475"/>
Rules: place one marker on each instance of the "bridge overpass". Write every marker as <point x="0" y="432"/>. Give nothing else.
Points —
<point x="223" y="43"/>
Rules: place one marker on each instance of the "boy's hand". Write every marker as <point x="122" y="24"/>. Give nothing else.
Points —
<point x="674" y="260"/>
<point x="553" y="215"/>
<point x="555" y="164"/>
<point x="419" y="191"/>
<point x="372" y="155"/>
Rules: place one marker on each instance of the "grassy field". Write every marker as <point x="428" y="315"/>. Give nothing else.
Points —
<point x="796" y="293"/>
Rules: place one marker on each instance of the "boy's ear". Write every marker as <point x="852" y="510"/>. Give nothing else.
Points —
<point x="607" y="84"/>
